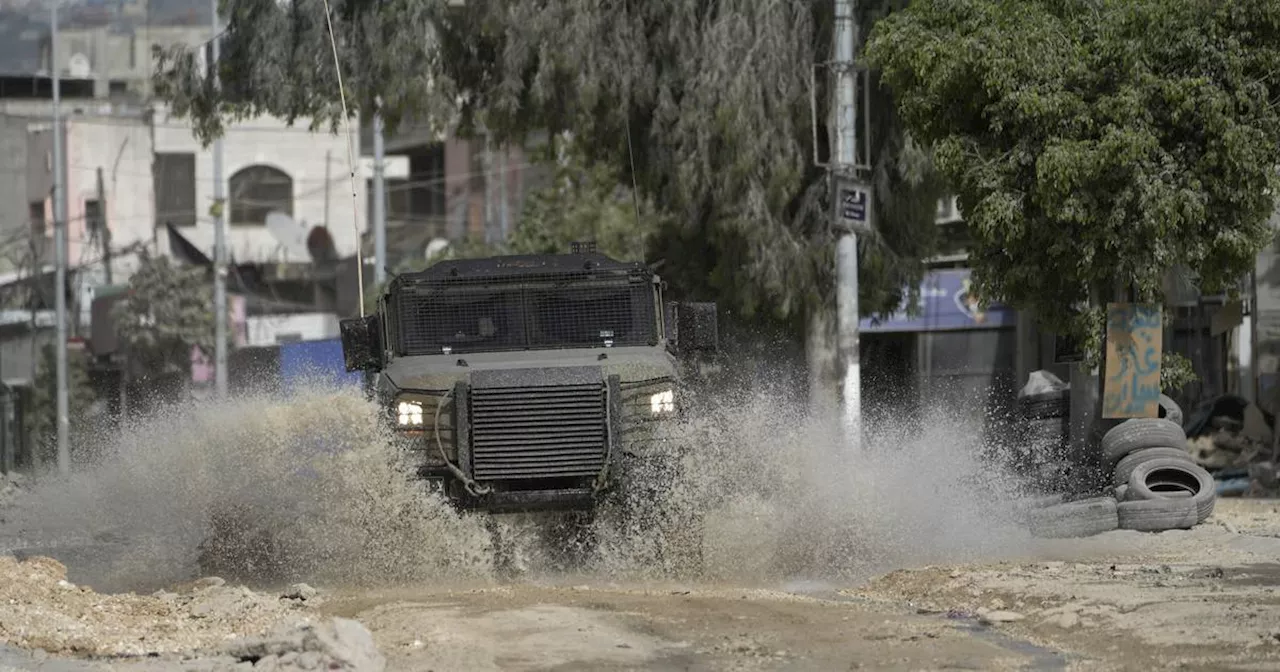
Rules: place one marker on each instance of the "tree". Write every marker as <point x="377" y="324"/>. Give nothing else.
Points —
<point x="44" y="399"/>
<point x="1095" y="145"/>
<point x="167" y="310"/>
<point x="704" y="107"/>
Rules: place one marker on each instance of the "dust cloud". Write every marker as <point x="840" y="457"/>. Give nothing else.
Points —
<point x="312" y="490"/>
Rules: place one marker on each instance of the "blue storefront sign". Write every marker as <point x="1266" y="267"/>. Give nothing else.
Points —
<point x="315" y="362"/>
<point x="946" y="303"/>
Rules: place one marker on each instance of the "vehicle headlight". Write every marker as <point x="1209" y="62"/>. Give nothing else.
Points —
<point x="409" y="414"/>
<point x="663" y="402"/>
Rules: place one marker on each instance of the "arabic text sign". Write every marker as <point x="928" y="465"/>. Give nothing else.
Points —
<point x="1134" y="348"/>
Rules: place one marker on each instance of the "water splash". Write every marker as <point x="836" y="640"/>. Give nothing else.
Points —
<point x="311" y="488"/>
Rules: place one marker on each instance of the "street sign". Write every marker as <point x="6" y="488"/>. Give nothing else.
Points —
<point x="395" y="167"/>
<point x="852" y="205"/>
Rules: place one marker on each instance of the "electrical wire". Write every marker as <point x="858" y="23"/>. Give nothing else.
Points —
<point x="351" y="162"/>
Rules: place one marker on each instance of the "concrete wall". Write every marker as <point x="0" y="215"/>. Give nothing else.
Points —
<point x="294" y="150"/>
<point x="13" y="188"/>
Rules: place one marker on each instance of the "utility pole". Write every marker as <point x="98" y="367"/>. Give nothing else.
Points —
<point x="219" y="238"/>
<point x="60" y="249"/>
<point x="490" y="235"/>
<point x="848" y="217"/>
<point x="104" y="231"/>
<point x="328" y="166"/>
<point x="504" y="203"/>
<point x="379" y="198"/>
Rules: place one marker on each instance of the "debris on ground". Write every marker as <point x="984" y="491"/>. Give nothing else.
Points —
<point x="1232" y="438"/>
<point x="337" y="644"/>
<point x="43" y="610"/>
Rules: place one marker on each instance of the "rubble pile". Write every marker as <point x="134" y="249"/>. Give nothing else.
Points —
<point x="42" y="610"/>
<point x="1233" y="439"/>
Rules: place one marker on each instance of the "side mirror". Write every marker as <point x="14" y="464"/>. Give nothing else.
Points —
<point x="697" y="327"/>
<point x="362" y="342"/>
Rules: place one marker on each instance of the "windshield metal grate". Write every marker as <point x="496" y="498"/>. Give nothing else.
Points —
<point x="471" y="316"/>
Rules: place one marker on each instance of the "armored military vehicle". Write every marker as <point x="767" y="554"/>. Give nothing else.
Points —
<point x="530" y="383"/>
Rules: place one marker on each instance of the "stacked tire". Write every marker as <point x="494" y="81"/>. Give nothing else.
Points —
<point x="1158" y="486"/>
<point x="1043" y="459"/>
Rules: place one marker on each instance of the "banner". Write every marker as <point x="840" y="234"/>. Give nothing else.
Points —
<point x="946" y="303"/>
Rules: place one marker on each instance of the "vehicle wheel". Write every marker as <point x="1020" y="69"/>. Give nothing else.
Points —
<point x="1170" y="410"/>
<point x="1140" y="433"/>
<point x="1157" y="515"/>
<point x="1124" y="468"/>
<point x="571" y="536"/>
<point x="1161" y="478"/>
<point x="1083" y="518"/>
<point x="648" y="504"/>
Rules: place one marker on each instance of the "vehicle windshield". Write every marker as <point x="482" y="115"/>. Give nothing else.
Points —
<point x="525" y="315"/>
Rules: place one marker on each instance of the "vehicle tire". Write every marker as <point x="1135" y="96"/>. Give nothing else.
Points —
<point x="1124" y="468"/>
<point x="1170" y="410"/>
<point x="1162" y="477"/>
<point x="1140" y="433"/>
<point x="644" y="501"/>
<point x="1157" y="515"/>
<point x="1045" y="405"/>
<point x="1083" y="518"/>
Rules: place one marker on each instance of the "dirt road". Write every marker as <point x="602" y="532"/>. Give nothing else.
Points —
<point x="1201" y="599"/>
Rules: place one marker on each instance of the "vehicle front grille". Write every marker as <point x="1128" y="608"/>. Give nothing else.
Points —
<point x="530" y="432"/>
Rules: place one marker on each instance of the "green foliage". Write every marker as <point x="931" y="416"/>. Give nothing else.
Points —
<point x="585" y="202"/>
<point x="1095" y="144"/>
<point x="709" y="103"/>
<point x="167" y="310"/>
<point x="1176" y="372"/>
<point x="44" y="399"/>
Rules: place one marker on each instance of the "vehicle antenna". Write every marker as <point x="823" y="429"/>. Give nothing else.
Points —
<point x="351" y="162"/>
<point x="631" y="157"/>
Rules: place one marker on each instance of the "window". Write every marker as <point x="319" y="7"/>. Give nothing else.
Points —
<point x="175" y="189"/>
<point x="93" y="217"/>
<point x="35" y="210"/>
<point x="256" y="191"/>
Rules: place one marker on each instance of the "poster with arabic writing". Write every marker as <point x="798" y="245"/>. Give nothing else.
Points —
<point x="1134" y="348"/>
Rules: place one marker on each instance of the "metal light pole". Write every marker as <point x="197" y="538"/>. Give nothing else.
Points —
<point x="379" y="199"/>
<point x="219" y="240"/>
<point x="847" y="219"/>
<point x="59" y="250"/>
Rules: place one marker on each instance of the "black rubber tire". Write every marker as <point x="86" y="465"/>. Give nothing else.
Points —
<point x="1084" y="518"/>
<point x="1045" y="405"/>
<point x="1170" y="410"/>
<point x="1157" y="515"/>
<point x="1124" y="468"/>
<point x="1140" y="433"/>
<point x="1167" y="475"/>
<point x="642" y="499"/>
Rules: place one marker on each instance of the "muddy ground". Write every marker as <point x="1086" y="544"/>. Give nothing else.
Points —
<point x="1201" y="599"/>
